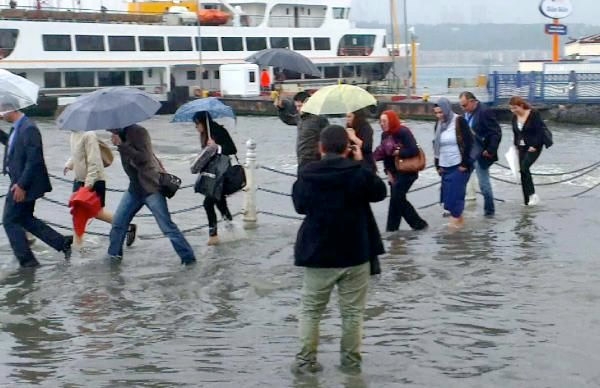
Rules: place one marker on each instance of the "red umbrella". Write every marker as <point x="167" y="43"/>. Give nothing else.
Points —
<point x="84" y="204"/>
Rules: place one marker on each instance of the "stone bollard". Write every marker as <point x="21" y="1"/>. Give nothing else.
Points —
<point x="250" y="189"/>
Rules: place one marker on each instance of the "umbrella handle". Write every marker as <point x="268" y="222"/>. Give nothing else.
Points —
<point x="208" y="127"/>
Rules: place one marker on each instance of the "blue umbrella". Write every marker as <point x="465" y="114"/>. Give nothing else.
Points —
<point x="108" y="108"/>
<point x="212" y="105"/>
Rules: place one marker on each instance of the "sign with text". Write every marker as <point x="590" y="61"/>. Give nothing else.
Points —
<point x="556" y="9"/>
<point x="555" y="29"/>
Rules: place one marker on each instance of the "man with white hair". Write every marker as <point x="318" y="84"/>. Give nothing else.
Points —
<point x="24" y="163"/>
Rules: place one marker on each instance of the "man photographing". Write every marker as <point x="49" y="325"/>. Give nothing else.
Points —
<point x="335" y="242"/>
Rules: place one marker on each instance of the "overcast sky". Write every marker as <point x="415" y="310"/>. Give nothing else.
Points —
<point x="473" y="11"/>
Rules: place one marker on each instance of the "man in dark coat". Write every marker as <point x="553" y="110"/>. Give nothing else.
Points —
<point x="24" y="163"/>
<point x="309" y="127"/>
<point x="335" y="242"/>
<point x="487" y="134"/>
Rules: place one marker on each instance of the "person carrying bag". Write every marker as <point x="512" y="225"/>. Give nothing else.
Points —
<point x="213" y="179"/>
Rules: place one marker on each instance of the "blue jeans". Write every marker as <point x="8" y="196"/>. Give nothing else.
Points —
<point x="18" y="218"/>
<point x="130" y="204"/>
<point x="483" y="175"/>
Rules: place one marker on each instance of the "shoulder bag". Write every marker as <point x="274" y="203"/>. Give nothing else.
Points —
<point x="411" y="165"/>
<point x="168" y="184"/>
<point x="234" y="179"/>
<point x="105" y="153"/>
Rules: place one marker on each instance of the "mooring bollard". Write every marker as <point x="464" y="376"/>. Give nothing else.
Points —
<point x="250" y="189"/>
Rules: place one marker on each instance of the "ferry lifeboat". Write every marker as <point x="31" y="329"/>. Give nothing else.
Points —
<point x="212" y="17"/>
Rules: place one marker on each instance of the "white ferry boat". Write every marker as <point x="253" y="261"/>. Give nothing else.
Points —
<point x="73" y="51"/>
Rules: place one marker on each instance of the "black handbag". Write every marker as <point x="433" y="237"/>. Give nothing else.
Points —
<point x="168" y="184"/>
<point x="235" y="178"/>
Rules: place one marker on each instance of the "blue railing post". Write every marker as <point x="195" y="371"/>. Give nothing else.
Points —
<point x="532" y="85"/>
<point x="495" y="88"/>
<point x="572" y="87"/>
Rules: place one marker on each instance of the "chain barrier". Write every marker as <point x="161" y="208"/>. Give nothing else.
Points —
<point x="556" y="173"/>
<point x="280" y="215"/>
<point x="551" y="183"/>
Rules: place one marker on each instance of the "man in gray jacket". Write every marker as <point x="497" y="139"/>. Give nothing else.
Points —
<point x="309" y="127"/>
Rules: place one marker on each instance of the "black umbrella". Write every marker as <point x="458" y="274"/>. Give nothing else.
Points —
<point x="285" y="59"/>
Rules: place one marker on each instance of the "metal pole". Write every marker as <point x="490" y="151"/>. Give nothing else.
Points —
<point x="395" y="42"/>
<point x="555" y="45"/>
<point x="413" y="51"/>
<point x="406" y="43"/>
<point x="199" y="44"/>
<point x="249" y="216"/>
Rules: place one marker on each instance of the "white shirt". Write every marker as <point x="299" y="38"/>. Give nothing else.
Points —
<point x="86" y="160"/>
<point x="449" y="151"/>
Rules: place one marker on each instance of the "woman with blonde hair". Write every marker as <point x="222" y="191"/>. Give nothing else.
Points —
<point x="528" y="136"/>
<point x="86" y="162"/>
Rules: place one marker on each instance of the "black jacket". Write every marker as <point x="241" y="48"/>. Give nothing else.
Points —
<point x="138" y="160"/>
<point x="532" y="132"/>
<point x="25" y="162"/>
<point x="487" y="134"/>
<point x="309" y="131"/>
<point x="338" y="230"/>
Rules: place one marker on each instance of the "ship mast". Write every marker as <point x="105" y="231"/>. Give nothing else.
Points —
<point x="395" y="44"/>
<point x="200" y="67"/>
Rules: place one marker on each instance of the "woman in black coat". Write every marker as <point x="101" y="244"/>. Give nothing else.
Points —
<point x="212" y="133"/>
<point x="360" y="134"/>
<point x="528" y="130"/>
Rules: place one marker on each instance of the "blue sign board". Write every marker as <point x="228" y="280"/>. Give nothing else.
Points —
<point x="555" y="29"/>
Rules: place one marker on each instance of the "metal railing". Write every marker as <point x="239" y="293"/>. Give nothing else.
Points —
<point x="572" y="87"/>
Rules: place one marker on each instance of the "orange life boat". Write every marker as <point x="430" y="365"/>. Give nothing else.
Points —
<point x="212" y="17"/>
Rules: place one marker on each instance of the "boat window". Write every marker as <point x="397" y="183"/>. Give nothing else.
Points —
<point x="121" y="43"/>
<point x="89" y="42"/>
<point x="280" y="42"/>
<point x="57" y="42"/>
<point x="331" y="72"/>
<point x="111" y="78"/>
<point x="205" y="74"/>
<point x="136" y="77"/>
<point x="217" y="74"/>
<point x="256" y="44"/>
<point x="347" y="71"/>
<point x="252" y="76"/>
<point x="338" y="13"/>
<point x="232" y="44"/>
<point x="179" y="43"/>
<point x="356" y="45"/>
<point x="301" y="43"/>
<point x="190" y="75"/>
<point x="8" y="40"/>
<point x="151" y="43"/>
<point x="322" y="44"/>
<point x="52" y="79"/>
<point x="207" y="44"/>
<point x="74" y="79"/>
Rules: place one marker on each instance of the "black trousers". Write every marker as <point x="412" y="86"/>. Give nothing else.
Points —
<point x="399" y="205"/>
<point x="526" y="160"/>
<point x="209" y="207"/>
<point x="18" y="218"/>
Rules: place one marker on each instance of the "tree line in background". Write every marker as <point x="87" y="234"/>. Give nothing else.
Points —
<point x="485" y="37"/>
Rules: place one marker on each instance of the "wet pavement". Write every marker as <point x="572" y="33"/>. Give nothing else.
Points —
<point x="508" y="301"/>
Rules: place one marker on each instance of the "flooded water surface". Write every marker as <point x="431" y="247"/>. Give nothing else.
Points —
<point x="511" y="301"/>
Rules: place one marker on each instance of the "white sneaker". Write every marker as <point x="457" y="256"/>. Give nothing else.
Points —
<point x="533" y="200"/>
